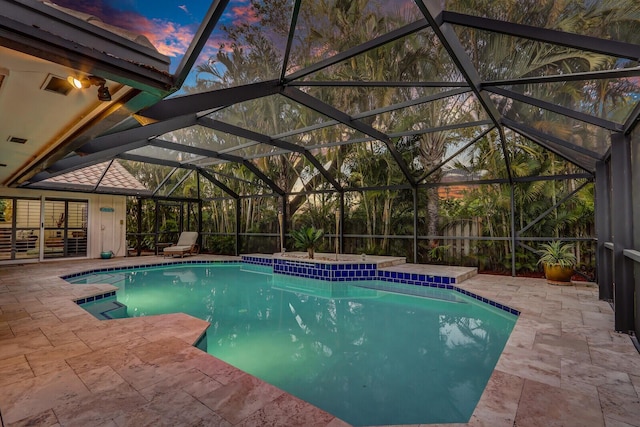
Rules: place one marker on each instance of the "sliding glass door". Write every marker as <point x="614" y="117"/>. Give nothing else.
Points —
<point x="54" y="227"/>
<point x="65" y="228"/>
<point x="19" y="228"/>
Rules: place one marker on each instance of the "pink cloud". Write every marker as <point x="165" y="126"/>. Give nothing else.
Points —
<point x="244" y="15"/>
<point x="168" y="37"/>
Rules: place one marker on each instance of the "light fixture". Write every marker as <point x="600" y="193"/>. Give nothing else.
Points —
<point x="86" y="82"/>
<point x="103" y="93"/>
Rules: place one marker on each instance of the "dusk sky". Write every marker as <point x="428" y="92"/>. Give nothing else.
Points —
<point x="168" y="24"/>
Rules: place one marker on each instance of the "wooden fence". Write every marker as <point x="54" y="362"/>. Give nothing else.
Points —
<point x="459" y="246"/>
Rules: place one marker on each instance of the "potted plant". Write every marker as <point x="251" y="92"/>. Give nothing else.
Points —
<point x="307" y="238"/>
<point x="558" y="261"/>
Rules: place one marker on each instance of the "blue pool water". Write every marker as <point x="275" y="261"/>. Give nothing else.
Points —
<point x="364" y="354"/>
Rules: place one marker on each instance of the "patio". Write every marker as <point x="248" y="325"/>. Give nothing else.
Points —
<point x="563" y="364"/>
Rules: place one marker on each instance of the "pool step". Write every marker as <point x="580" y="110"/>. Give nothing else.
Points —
<point x="106" y="309"/>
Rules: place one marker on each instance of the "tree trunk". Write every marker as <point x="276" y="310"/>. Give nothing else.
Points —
<point x="433" y="205"/>
<point x="432" y="148"/>
<point x="386" y="219"/>
<point x="249" y="214"/>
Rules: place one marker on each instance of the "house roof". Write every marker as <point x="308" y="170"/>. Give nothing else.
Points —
<point x="107" y="176"/>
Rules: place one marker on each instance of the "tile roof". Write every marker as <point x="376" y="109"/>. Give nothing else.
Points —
<point x="116" y="177"/>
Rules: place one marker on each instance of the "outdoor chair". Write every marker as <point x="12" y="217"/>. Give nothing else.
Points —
<point x="186" y="245"/>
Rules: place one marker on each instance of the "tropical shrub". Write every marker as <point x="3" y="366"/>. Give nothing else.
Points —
<point x="307" y="238"/>
<point x="557" y="253"/>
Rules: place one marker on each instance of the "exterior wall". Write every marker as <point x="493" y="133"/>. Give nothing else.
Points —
<point x="109" y="227"/>
<point x="635" y="203"/>
<point x="112" y="217"/>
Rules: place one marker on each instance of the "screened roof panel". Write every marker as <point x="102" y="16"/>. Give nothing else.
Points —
<point x="329" y="159"/>
<point x="186" y="186"/>
<point x="609" y="20"/>
<point x="148" y="174"/>
<point x="461" y="168"/>
<point x="227" y="177"/>
<point x="369" y="98"/>
<point x="257" y="150"/>
<point x="459" y="154"/>
<point x="204" y="137"/>
<point x="584" y="161"/>
<point x="269" y="115"/>
<point x="308" y="178"/>
<point x="238" y="178"/>
<point x="418" y="57"/>
<point x="207" y="161"/>
<point x="171" y="183"/>
<point x="246" y="46"/>
<point x="448" y="111"/>
<point x="163" y="154"/>
<point x="326" y="136"/>
<point x="610" y="99"/>
<point x="530" y="159"/>
<point x="500" y="56"/>
<point x="576" y="132"/>
<point x="326" y="28"/>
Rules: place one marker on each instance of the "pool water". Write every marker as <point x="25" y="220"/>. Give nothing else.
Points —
<point x="366" y="355"/>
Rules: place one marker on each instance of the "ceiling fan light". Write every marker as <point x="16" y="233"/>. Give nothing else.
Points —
<point x="78" y="83"/>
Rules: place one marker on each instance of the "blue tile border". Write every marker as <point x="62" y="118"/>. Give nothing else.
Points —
<point x="97" y="297"/>
<point x="365" y="271"/>
<point x="257" y="260"/>
<point x="321" y="271"/>
<point x="159" y="264"/>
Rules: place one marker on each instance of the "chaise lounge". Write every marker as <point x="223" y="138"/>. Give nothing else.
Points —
<point x="186" y="245"/>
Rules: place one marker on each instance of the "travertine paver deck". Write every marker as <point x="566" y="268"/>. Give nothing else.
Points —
<point x="562" y="366"/>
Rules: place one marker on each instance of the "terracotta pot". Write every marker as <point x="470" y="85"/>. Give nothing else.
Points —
<point x="555" y="273"/>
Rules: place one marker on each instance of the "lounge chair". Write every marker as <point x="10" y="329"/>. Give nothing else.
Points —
<point x="186" y="245"/>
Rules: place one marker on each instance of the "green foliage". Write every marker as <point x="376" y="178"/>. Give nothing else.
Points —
<point x="557" y="253"/>
<point x="307" y="238"/>
<point x="3" y="205"/>
<point x="439" y="253"/>
<point x="222" y="245"/>
<point x="525" y="262"/>
<point x="168" y="226"/>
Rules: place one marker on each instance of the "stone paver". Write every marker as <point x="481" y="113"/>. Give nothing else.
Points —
<point x="563" y="364"/>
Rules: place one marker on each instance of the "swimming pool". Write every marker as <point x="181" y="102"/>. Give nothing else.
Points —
<point x="364" y="354"/>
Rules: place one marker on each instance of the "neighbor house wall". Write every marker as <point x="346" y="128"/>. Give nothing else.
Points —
<point x="105" y="210"/>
